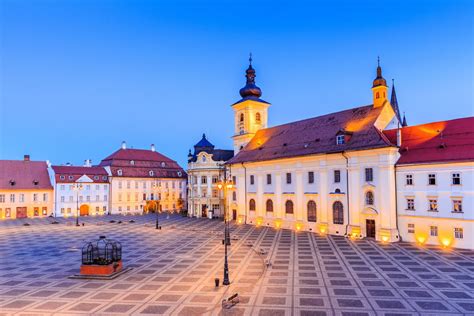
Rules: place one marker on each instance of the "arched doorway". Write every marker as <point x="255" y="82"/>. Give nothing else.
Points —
<point x="84" y="210"/>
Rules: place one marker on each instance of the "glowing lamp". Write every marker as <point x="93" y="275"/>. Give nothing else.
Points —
<point x="259" y="221"/>
<point x="219" y="186"/>
<point x="298" y="226"/>
<point x="384" y="238"/>
<point x="446" y="242"/>
<point x="278" y="223"/>
<point x="239" y="221"/>
<point x="421" y="239"/>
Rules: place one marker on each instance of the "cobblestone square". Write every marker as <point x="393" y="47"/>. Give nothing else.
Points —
<point x="173" y="271"/>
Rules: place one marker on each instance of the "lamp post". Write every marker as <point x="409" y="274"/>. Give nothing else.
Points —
<point x="157" y="209"/>
<point x="224" y="185"/>
<point x="77" y="187"/>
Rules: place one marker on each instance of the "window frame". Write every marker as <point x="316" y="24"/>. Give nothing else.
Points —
<point x="311" y="211"/>
<point x="310" y="177"/>
<point x="409" y="179"/>
<point x="454" y="178"/>
<point x="289" y="207"/>
<point x="432" y="176"/>
<point x="269" y="206"/>
<point x="337" y="176"/>
<point x="288" y="178"/>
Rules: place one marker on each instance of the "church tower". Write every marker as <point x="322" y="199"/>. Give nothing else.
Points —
<point x="250" y="113"/>
<point x="379" y="88"/>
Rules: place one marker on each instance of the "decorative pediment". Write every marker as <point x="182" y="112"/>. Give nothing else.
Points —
<point x="369" y="211"/>
<point x="84" y="179"/>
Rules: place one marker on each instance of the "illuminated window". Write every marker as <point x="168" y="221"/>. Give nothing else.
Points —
<point x="377" y="95"/>
<point x="433" y="205"/>
<point x="289" y="207"/>
<point x="458" y="233"/>
<point x="411" y="204"/>
<point x="409" y="179"/>
<point x="411" y="228"/>
<point x="252" y="205"/>
<point x="119" y="172"/>
<point x="340" y="140"/>
<point x="457" y="206"/>
<point x="258" y="118"/>
<point x="369" y="198"/>
<point x="434" y="231"/>
<point x="311" y="208"/>
<point x="456" y="178"/>
<point x="241" y="117"/>
<point x="338" y="213"/>
<point x="203" y="179"/>
<point x="269" y="205"/>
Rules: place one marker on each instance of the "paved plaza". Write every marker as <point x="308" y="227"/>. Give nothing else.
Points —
<point x="173" y="271"/>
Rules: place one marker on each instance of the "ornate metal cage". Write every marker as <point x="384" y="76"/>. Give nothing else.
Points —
<point x="103" y="251"/>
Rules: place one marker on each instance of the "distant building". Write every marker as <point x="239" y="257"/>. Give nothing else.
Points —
<point x="138" y="177"/>
<point x="205" y="170"/>
<point x="435" y="183"/>
<point x="25" y="189"/>
<point x="81" y="190"/>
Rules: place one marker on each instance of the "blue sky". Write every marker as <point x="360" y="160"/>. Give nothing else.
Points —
<point x="79" y="76"/>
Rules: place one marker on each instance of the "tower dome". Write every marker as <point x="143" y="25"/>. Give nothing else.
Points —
<point x="379" y="80"/>
<point x="250" y="89"/>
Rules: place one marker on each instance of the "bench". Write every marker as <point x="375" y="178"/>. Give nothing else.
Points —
<point x="231" y="301"/>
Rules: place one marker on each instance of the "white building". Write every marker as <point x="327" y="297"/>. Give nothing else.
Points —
<point x="435" y="183"/>
<point x="139" y="176"/>
<point x="205" y="169"/>
<point x="81" y="190"/>
<point x="333" y="173"/>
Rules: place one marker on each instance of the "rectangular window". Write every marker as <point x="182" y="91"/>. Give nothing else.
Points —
<point x="35" y="197"/>
<point x="12" y="198"/>
<point x="214" y="193"/>
<point x="434" y="231"/>
<point x="457" y="206"/>
<point x="36" y="211"/>
<point x="269" y="179"/>
<point x="409" y="179"/>
<point x="105" y="186"/>
<point x="411" y="204"/>
<point x="433" y="205"/>
<point x="21" y="198"/>
<point x="203" y="179"/>
<point x="128" y="184"/>
<point x="369" y="174"/>
<point x="105" y="197"/>
<point x="62" y="198"/>
<point x="69" y="210"/>
<point x="234" y="180"/>
<point x="8" y="212"/>
<point x="71" y="199"/>
<point x="340" y="139"/>
<point x="337" y="176"/>
<point x="411" y="228"/>
<point x="215" y="179"/>
<point x="120" y="197"/>
<point x="431" y="179"/>
<point x="234" y="196"/>
<point x="215" y="207"/>
<point x="45" y="197"/>
<point x="252" y="180"/>
<point x="120" y="184"/>
<point x="310" y="177"/>
<point x="104" y="208"/>
<point x="456" y="178"/>
<point x="44" y="210"/>
<point x="97" y="209"/>
<point x="62" y="210"/>
<point x="288" y="178"/>
<point x="2" y="198"/>
<point x="62" y="187"/>
<point x="80" y="198"/>
<point x="136" y="197"/>
<point x="458" y="233"/>
<point x="144" y="196"/>
<point x="97" y="187"/>
<point x="97" y="198"/>
<point x="120" y="209"/>
<point x="128" y="197"/>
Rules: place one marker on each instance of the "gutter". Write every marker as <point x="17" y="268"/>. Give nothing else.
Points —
<point x="347" y="190"/>
<point x="245" y="187"/>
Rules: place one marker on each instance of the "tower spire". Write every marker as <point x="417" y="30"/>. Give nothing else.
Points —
<point x="394" y="102"/>
<point x="404" y="123"/>
<point x="250" y="89"/>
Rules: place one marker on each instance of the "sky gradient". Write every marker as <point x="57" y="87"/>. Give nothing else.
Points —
<point x="79" y="76"/>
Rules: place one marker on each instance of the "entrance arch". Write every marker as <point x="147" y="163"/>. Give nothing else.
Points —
<point x="84" y="210"/>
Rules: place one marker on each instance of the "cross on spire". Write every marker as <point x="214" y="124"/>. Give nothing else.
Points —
<point x="250" y="58"/>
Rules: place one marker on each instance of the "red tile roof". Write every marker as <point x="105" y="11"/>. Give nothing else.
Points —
<point x="71" y="173"/>
<point x="315" y="136"/>
<point x="445" y="141"/>
<point x="139" y="162"/>
<point x="24" y="175"/>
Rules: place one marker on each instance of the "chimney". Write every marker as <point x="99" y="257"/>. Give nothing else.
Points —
<point x="153" y="147"/>
<point x="124" y="145"/>
<point x="88" y="163"/>
<point x="399" y="137"/>
<point x="26" y="157"/>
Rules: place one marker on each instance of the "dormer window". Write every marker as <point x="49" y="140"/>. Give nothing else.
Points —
<point x="96" y="177"/>
<point x="151" y="173"/>
<point x="163" y="164"/>
<point x="340" y="139"/>
<point x="70" y="177"/>
<point x="62" y="177"/>
<point x="132" y="162"/>
<point x="119" y="172"/>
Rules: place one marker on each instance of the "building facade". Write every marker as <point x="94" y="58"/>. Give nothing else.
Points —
<point x="81" y="191"/>
<point x="331" y="174"/>
<point x="435" y="183"/>
<point x="205" y="170"/>
<point x="140" y="177"/>
<point x="25" y="189"/>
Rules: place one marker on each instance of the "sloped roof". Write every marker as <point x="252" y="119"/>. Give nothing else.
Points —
<point x="445" y="141"/>
<point x="204" y="143"/>
<point x="24" y="175"/>
<point x="315" y="136"/>
<point x="72" y="173"/>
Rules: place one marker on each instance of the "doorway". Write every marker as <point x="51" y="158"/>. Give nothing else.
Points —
<point x="370" y="228"/>
<point x="204" y="210"/>
<point x="84" y="210"/>
<point x="21" y="212"/>
<point x="234" y="215"/>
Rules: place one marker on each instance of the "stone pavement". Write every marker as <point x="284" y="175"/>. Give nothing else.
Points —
<point x="174" y="270"/>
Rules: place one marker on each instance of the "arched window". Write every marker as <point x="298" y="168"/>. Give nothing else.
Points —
<point x="258" y="118"/>
<point x="289" y="207"/>
<point x="119" y="172"/>
<point x="252" y="205"/>
<point x="269" y="205"/>
<point x="338" y="213"/>
<point x="311" y="211"/>
<point x="241" y="117"/>
<point x="234" y="196"/>
<point x="369" y="198"/>
<point x="377" y="95"/>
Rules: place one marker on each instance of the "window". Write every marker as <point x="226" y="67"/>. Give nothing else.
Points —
<point x="128" y="184"/>
<point x="2" y="198"/>
<point x="203" y="158"/>
<point x="203" y="179"/>
<point x="269" y="179"/>
<point x="458" y="233"/>
<point x="12" y="198"/>
<point x="21" y="198"/>
<point x="288" y="178"/>
<point x="434" y="231"/>
<point x="62" y="210"/>
<point x="120" y="184"/>
<point x="120" y="197"/>
<point x="411" y="204"/>
<point x="289" y="207"/>
<point x="338" y="213"/>
<point x="409" y="179"/>
<point x="456" y="178"/>
<point x="151" y="173"/>
<point x="104" y="208"/>
<point x="163" y="164"/>
<point x="340" y="140"/>
<point x="132" y="162"/>
<point x="70" y="177"/>
<point x="45" y="197"/>
<point x="337" y="176"/>
<point x="105" y="197"/>
<point x="97" y="198"/>
<point x="369" y="198"/>
<point x="311" y="208"/>
<point x="8" y="212"/>
<point x="62" y="187"/>
<point x="104" y="177"/>
<point x="457" y="206"/>
<point x="269" y="206"/>
<point x="234" y="196"/>
<point x="120" y="209"/>
<point x="80" y="198"/>
<point x="97" y="187"/>
<point x="377" y="95"/>
<point x="128" y="197"/>
<point x="96" y="177"/>
<point x="62" y="177"/>
<point x="215" y="207"/>
<point x="258" y="118"/>
<point x="215" y="179"/>
<point x="71" y="199"/>
<point x="241" y="117"/>
<point x="432" y="179"/>
<point x="62" y="198"/>
<point x="234" y="180"/>
<point x="369" y="174"/>
<point x="411" y="228"/>
<point x="252" y="205"/>
<point x="119" y="172"/>
<point x="433" y="205"/>
<point x="68" y="210"/>
<point x="215" y="193"/>
<point x="310" y="177"/>
<point x="44" y="210"/>
<point x="97" y="209"/>
<point x="36" y="211"/>
<point x="252" y="180"/>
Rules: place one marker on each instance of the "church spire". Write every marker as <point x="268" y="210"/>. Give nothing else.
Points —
<point x="394" y="102"/>
<point x="250" y="89"/>
<point x="404" y="122"/>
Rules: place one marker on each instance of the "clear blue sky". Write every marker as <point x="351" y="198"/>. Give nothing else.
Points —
<point x="79" y="76"/>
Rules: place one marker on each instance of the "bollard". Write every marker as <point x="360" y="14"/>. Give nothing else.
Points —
<point x="216" y="282"/>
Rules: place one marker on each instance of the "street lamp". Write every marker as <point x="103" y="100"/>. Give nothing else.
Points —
<point x="224" y="185"/>
<point x="157" y="208"/>
<point x="77" y="187"/>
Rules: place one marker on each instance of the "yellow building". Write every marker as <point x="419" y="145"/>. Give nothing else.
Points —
<point x="25" y="189"/>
